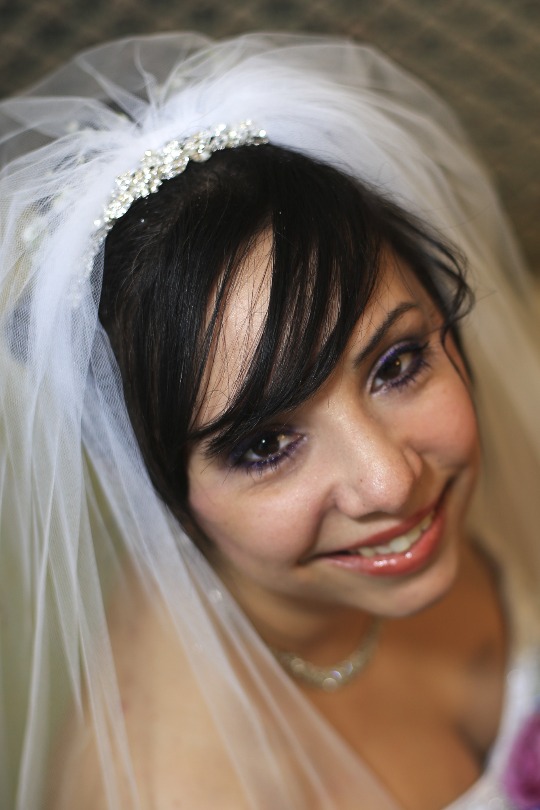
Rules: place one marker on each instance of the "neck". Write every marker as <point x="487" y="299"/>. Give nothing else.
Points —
<point x="321" y="632"/>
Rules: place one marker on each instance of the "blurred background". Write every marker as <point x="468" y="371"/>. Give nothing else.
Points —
<point x="483" y="56"/>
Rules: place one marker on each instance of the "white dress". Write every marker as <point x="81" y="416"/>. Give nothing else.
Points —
<point x="521" y="699"/>
<point x="522" y="694"/>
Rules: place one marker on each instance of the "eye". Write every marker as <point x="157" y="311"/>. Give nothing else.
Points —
<point x="266" y="450"/>
<point x="400" y="366"/>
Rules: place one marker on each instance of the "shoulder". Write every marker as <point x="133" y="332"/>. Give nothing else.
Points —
<point x="176" y="753"/>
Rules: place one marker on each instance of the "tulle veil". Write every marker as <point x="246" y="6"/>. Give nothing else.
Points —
<point x="77" y="509"/>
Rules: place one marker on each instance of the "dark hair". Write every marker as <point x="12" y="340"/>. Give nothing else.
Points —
<point x="180" y="249"/>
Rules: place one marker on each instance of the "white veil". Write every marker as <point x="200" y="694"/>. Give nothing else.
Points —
<point x="77" y="510"/>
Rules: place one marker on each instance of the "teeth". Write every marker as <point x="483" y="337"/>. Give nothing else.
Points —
<point x="427" y="521"/>
<point x="398" y="544"/>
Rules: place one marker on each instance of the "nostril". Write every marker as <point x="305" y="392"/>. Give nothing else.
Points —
<point x="381" y="480"/>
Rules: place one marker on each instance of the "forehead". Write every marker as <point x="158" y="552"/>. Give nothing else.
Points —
<point x="245" y="313"/>
<point x="239" y="329"/>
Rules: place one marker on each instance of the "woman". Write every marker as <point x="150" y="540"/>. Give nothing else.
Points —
<point x="241" y="439"/>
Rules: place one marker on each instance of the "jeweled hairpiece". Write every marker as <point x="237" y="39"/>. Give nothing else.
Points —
<point x="157" y="165"/>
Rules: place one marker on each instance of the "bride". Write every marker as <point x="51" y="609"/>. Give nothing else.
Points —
<point x="268" y="476"/>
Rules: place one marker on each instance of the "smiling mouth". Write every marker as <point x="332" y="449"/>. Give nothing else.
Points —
<point x="398" y="545"/>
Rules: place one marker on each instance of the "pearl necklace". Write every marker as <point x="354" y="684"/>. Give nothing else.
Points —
<point x="332" y="678"/>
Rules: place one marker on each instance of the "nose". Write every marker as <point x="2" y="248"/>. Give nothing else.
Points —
<point x="377" y="469"/>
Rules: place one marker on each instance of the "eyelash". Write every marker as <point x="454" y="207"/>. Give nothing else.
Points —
<point x="237" y="460"/>
<point x="419" y="363"/>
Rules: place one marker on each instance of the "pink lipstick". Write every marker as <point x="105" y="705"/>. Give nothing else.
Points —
<point x="397" y="552"/>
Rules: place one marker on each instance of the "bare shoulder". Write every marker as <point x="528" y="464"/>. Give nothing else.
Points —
<point x="179" y="759"/>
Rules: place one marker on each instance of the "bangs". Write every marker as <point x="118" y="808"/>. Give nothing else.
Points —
<point x="176" y="260"/>
<point x="327" y="235"/>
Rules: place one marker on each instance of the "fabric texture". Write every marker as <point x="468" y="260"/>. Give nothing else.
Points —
<point x="79" y="519"/>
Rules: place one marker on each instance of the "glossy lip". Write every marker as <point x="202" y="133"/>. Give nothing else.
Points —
<point x="396" y="563"/>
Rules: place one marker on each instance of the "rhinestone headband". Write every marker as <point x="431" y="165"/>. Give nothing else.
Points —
<point x="157" y="165"/>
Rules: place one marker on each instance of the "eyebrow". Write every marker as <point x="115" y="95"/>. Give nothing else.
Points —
<point x="377" y="337"/>
<point x="209" y="443"/>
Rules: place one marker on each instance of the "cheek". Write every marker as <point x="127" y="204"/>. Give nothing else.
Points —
<point x="259" y="528"/>
<point x="214" y="514"/>
<point x="448" y="428"/>
<point x="463" y="422"/>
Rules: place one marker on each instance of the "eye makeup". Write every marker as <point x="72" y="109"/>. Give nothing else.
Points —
<point x="400" y="366"/>
<point x="265" y="451"/>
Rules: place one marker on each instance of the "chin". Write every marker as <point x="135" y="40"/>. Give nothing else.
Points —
<point x="420" y="592"/>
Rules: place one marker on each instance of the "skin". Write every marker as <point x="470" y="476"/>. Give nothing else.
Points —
<point x="362" y="457"/>
<point x="367" y="457"/>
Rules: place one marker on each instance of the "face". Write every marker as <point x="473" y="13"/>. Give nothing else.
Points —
<point x="356" y="499"/>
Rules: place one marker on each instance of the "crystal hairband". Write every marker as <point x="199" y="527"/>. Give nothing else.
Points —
<point x="157" y="165"/>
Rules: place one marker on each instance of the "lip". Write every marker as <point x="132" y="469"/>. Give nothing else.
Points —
<point x="417" y="557"/>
